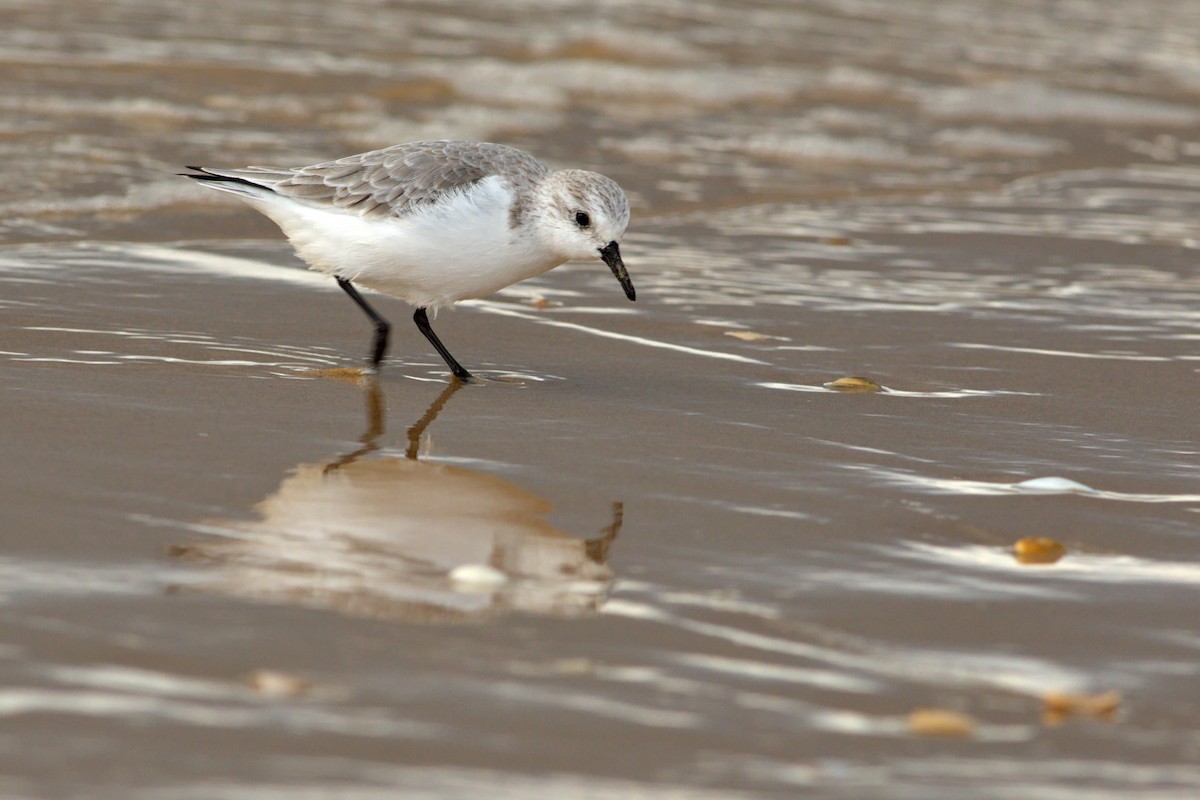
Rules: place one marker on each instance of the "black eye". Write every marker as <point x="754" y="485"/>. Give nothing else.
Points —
<point x="582" y="219"/>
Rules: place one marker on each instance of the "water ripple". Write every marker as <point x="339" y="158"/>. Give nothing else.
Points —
<point x="1030" y="487"/>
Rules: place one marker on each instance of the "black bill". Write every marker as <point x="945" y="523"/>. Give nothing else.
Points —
<point x="612" y="256"/>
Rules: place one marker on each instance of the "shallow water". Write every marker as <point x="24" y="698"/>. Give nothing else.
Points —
<point x="658" y="554"/>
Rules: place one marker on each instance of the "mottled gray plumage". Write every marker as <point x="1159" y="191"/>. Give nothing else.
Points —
<point x="394" y="180"/>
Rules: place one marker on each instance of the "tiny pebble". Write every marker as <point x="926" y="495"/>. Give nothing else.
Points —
<point x="277" y="684"/>
<point x="477" y="575"/>
<point x="1053" y="485"/>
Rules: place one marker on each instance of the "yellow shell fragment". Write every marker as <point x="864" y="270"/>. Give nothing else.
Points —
<point x="854" y="384"/>
<point x="941" y="722"/>
<point x="1057" y="706"/>
<point x="748" y="336"/>
<point x="1038" y="550"/>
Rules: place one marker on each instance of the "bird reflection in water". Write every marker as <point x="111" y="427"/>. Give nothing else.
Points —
<point x="383" y="536"/>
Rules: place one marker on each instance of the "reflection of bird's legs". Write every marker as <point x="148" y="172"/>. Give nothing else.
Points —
<point x="376" y="419"/>
<point x="418" y="428"/>
<point x="597" y="549"/>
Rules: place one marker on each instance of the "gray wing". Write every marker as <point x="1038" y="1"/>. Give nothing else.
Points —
<point x="393" y="181"/>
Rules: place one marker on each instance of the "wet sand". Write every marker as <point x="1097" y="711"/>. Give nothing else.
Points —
<point x="647" y="557"/>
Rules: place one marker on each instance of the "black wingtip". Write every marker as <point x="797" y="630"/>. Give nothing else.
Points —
<point x="203" y="175"/>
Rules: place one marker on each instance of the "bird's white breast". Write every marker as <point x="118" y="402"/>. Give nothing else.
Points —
<point x="461" y="247"/>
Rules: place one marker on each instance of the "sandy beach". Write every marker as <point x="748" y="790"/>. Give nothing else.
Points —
<point x="658" y="552"/>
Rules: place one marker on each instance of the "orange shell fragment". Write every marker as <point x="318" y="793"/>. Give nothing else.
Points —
<point x="1038" y="550"/>
<point x="1057" y="706"/>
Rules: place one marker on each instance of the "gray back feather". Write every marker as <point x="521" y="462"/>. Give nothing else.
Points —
<point x="395" y="180"/>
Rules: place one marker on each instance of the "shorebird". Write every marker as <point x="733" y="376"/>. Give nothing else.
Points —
<point x="435" y="222"/>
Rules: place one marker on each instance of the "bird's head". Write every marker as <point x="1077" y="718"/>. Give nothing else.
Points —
<point x="587" y="217"/>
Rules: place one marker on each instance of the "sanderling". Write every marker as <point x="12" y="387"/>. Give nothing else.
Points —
<point x="435" y="222"/>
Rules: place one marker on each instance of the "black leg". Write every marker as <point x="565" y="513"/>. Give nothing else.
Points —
<point x="381" y="325"/>
<point x="423" y="326"/>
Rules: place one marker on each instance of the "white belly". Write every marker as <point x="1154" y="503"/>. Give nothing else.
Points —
<point x="455" y="250"/>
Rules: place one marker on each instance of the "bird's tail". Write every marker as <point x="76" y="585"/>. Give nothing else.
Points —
<point x="245" y="182"/>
